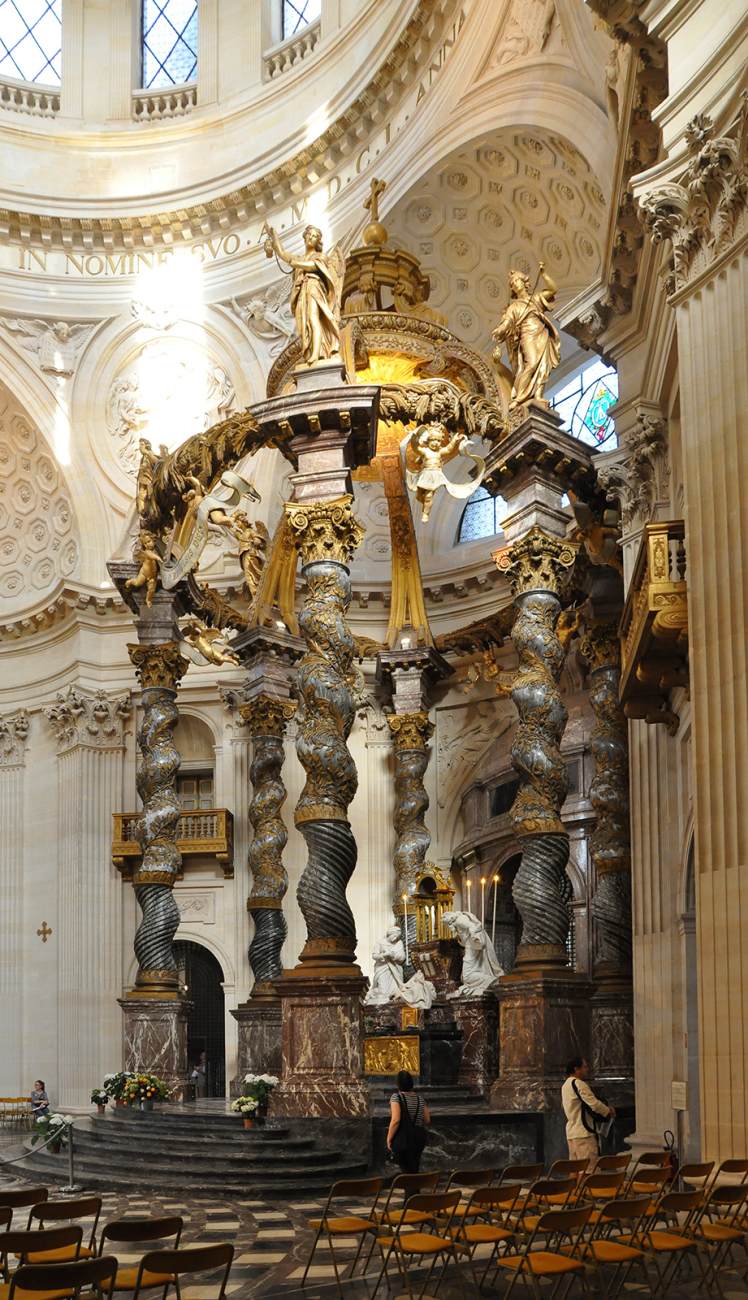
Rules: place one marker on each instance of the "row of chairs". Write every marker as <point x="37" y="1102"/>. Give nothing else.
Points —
<point x="15" y="1112"/>
<point x="546" y="1227"/>
<point x="56" y="1262"/>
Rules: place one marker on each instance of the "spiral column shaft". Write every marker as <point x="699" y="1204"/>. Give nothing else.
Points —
<point x="266" y="716"/>
<point x="410" y="734"/>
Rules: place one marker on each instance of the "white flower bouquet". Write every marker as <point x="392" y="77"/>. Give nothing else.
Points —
<point x="245" y="1105"/>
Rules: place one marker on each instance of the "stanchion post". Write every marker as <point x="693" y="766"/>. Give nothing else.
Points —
<point x="71" y="1185"/>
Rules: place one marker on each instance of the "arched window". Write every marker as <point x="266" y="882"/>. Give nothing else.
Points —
<point x="481" y="517"/>
<point x="31" y="40"/>
<point x="584" y="403"/>
<point x="298" y="14"/>
<point x="169" y="43"/>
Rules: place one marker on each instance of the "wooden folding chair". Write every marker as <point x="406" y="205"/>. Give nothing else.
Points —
<point x="395" y="1213"/>
<point x="545" y="1194"/>
<point x="719" y="1227"/>
<point x="612" y="1164"/>
<point x="597" y="1189"/>
<point x="567" y="1168"/>
<point x="606" y="1247"/>
<point x="139" y="1231"/>
<point x="695" y="1175"/>
<point x="83" y="1207"/>
<point x="648" y="1160"/>
<point x="346" y="1225"/>
<point x="668" y="1248"/>
<point x="467" y="1180"/>
<point x="18" y="1243"/>
<point x="489" y="1211"/>
<point x="543" y="1258"/>
<point x="172" y="1265"/>
<point x="20" y="1198"/>
<point x="649" y="1182"/>
<point x="419" y="1246"/>
<point x="731" y="1171"/>
<point x="63" y="1280"/>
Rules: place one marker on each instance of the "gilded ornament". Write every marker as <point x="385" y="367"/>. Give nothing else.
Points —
<point x="148" y="558"/>
<point x="208" y="643"/>
<point x="429" y="448"/>
<point x="439" y="401"/>
<point x="410" y="730"/>
<point x="537" y="562"/>
<point x="600" y="647"/>
<point x="316" y="289"/>
<point x="387" y="1055"/>
<point x="325" y="530"/>
<point x="267" y="715"/>
<point x="531" y="337"/>
<point x="159" y="665"/>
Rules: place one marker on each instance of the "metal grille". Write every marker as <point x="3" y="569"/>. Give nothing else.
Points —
<point x="298" y="14"/>
<point x="169" y="42"/>
<point x="31" y="40"/>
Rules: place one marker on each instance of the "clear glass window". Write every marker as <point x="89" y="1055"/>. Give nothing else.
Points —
<point x="584" y="403"/>
<point x="298" y="14"/>
<point x="31" y="40"/>
<point x="481" y="517"/>
<point x="169" y="43"/>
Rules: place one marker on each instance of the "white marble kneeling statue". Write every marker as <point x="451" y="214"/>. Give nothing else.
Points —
<point x="417" y="992"/>
<point x="389" y="959"/>
<point x="480" y="965"/>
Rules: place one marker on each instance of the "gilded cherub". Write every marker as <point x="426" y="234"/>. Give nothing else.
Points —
<point x="146" y="555"/>
<point x="429" y="448"/>
<point x="217" y="518"/>
<point x="209" y="643"/>
<point x="253" y="540"/>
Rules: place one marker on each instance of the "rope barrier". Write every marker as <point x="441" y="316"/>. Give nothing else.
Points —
<point x="71" y="1185"/>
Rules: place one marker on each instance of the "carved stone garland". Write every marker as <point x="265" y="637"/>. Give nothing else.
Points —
<point x="610" y="846"/>
<point x="266" y="718"/>
<point x="326" y="534"/>
<point x="537" y="567"/>
<point x="159" y="669"/>
<point x="411" y="733"/>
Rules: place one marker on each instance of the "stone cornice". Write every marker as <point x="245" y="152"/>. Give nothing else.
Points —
<point x="91" y="719"/>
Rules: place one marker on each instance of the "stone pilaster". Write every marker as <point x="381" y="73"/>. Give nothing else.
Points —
<point x="89" y="728"/>
<point x="14" y="731"/>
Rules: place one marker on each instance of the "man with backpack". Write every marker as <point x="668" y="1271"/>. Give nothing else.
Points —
<point x="585" y="1113"/>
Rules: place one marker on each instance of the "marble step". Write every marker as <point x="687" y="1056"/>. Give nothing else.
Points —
<point x="198" y="1141"/>
<point x="245" y="1153"/>
<point x="219" y="1125"/>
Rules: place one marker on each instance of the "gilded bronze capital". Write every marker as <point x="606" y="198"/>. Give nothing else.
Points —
<point x="600" y="647"/>
<point x="410" y="730"/>
<point x="267" y="715"/>
<point x="537" y="562"/>
<point x="325" y="530"/>
<point x="158" y="665"/>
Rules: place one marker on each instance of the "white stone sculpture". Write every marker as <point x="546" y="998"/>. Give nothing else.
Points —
<point x="480" y="965"/>
<point x="389" y="959"/>
<point x="417" y="992"/>
<point x="55" y="343"/>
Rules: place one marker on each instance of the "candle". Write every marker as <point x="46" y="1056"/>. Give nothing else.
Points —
<point x="468" y="893"/>
<point x="482" y="900"/>
<point x="493" y="926"/>
<point x="405" y="926"/>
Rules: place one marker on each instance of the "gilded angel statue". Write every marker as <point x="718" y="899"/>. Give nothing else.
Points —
<point x="315" y="294"/>
<point x="252" y="541"/>
<point x="208" y="642"/>
<point x="146" y="555"/>
<point x="530" y="335"/>
<point x="429" y="448"/>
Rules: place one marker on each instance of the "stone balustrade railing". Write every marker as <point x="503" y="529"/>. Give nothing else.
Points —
<point x="156" y="105"/>
<point x="201" y="832"/>
<point x="291" y="52"/>
<point x="23" y="97"/>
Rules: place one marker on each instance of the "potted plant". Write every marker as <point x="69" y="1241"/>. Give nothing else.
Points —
<point x="100" y="1099"/>
<point x="52" y="1129"/>
<point x="246" y="1107"/>
<point x="114" y="1085"/>
<point x="143" y="1089"/>
<point x="260" y="1087"/>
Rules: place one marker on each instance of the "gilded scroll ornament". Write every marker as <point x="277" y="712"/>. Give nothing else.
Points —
<point x="267" y="715"/>
<point x="158" y="665"/>
<point x="531" y="337"/>
<point x="410" y="730"/>
<point x="325" y="530"/>
<point x="387" y="1055"/>
<point x="429" y="401"/>
<point x="315" y="292"/>
<point x="537" y="562"/>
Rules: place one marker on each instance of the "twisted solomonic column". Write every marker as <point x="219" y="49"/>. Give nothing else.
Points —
<point x="326" y="534"/>
<point x="610" y="845"/>
<point x="411" y="733"/>
<point x="266" y="717"/>
<point x="159" y="668"/>
<point x="538" y="567"/>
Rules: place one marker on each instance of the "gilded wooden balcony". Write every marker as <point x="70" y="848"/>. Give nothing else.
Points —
<point x="654" y="626"/>
<point x="202" y="832"/>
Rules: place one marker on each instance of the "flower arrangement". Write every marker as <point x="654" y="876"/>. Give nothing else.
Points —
<point x="99" y="1097"/>
<point x="144" y="1087"/>
<point x="245" y="1105"/>
<point x="51" y="1126"/>
<point x="114" y="1084"/>
<point x="260" y="1087"/>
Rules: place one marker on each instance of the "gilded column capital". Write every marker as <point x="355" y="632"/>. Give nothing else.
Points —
<point x="410" y="730"/>
<point x="537" y="562"/>
<point x="325" y="530"/>
<point x="90" y="718"/>
<point x="158" y="665"/>
<point x="267" y="715"/>
<point x="600" y="647"/>
<point x="14" y="730"/>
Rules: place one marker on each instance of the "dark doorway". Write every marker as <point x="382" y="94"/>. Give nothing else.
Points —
<point x="503" y="921"/>
<point x="206" y="1031"/>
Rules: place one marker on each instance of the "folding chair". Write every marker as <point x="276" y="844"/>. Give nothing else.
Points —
<point x="468" y="1180"/>
<point x="545" y="1194"/>
<point x="597" y="1188"/>
<point x="675" y="1246"/>
<point x="649" y="1182"/>
<point x="548" y="1262"/>
<point x="84" y="1207"/>
<point x="63" y="1280"/>
<point x="567" y="1168"/>
<point x="20" y="1198"/>
<point x="489" y="1210"/>
<point x="612" y="1164"/>
<point x="696" y="1175"/>
<point x="521" y="1176"/>
<point x="607" y="1249"/>
<point x="6" y="1217"/>
<point x="347" y="1225"/>
<point x="719" y="1236"/>
<point x="135" y="1231"/>
<point x="171" y="1265"/>
<point x="419" y="1245"/>
<point x="389" y="1215"/>
<point x="19" y="1242"/>
<point x="731" y="1171"/>
<point x="649" y="1160"/>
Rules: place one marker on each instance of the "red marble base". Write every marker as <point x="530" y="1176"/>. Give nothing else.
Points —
<point x="155" y="1039"/>
<point x="259" y="1046"/>
<point x="544" y="1019"/>
<point x="478" y="1018"/>
<point x="321" y="1046"/>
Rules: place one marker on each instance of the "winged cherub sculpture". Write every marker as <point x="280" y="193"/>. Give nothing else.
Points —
<point x="315" y="293"/>
<point x="429" y="448"/>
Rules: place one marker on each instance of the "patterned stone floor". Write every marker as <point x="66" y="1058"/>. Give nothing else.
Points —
<point x="272" y="1242"/>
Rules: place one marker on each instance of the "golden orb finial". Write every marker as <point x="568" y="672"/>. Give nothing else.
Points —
<point x="375" y="233"/>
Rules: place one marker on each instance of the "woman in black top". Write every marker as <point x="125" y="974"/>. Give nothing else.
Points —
<point x="417" y="1113"/>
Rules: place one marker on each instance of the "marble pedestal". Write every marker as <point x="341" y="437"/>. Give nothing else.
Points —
<point x="439" y="1035"/>
<point x="478" y="1021"/>
<point x="612" y="1040"/>
<point x="322" y="1067"/>
<point x="260" y="1029"/>
<point x="544" y="1019"/>
<point x="155" y="1039"/>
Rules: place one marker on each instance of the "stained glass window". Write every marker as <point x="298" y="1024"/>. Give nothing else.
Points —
<point x="31" y="40"/>
<point x="169" y="43"/>
<point x="481" y="517"/>
<point x="298" y="14"/>
<point x="584" y="403"/>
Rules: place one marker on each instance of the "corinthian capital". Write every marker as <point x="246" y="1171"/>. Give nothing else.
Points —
<point x="537" y="562"/>
<point x="90" y="718"/>
<point x="640" y="470"/>
<point x="14" y="730"/>
<point x="600" y="647"/>
<point x="158" y="665"/>
<point x="267" y="715"/>
<point x="325" y="530"/>
<point x="410" y="730"/>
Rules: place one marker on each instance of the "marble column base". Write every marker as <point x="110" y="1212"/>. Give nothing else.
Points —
<point x="544" y="1019"/>
<point x="155" y="1039"/>
<point x="478" y="1019"/>
<point x="612" y="1040"/>
<point x="321" y="1046"/>
<point x="259" y="1048"/>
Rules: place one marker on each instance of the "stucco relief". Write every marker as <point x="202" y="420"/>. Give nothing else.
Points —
<point x="38" y="531"/>
<point x="171" y="390"/>
<point x="55" y="345"/>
